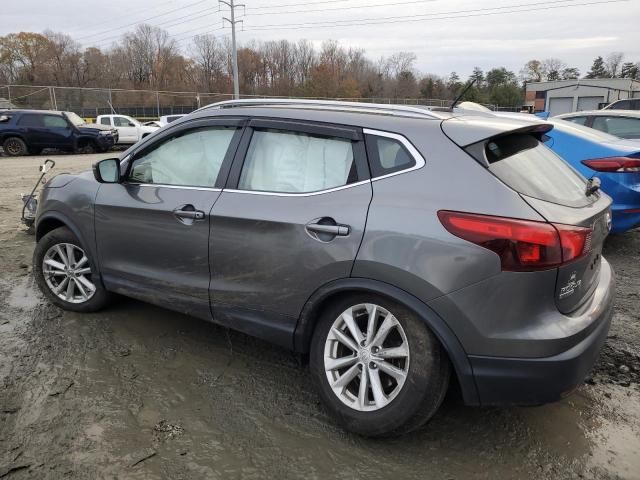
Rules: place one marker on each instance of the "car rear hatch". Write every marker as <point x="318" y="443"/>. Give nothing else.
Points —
<point x="563" y="197"/>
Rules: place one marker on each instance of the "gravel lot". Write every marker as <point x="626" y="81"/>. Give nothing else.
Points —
<point x="140" y="392"/>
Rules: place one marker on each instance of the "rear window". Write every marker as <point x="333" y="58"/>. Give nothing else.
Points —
<point x="531" y="168"/>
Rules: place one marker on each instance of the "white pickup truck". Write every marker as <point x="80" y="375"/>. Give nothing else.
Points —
<point x="129" y="129"/>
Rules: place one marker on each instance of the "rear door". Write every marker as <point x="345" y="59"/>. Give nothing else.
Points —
<point x="290" y="220"/>
<point x="152" y="230"/>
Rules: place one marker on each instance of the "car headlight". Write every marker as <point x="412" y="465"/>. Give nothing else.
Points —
<point x="104" y="132"/>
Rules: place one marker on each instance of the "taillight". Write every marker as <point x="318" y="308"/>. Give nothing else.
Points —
<point x="522" y="245"/>
<point x="613" y="164"/>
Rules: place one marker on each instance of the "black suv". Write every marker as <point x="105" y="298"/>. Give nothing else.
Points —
<point x="25" y="132"/>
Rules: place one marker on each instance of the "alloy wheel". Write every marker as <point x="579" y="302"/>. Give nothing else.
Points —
<point x="366" y="357"/>
<point x="67" y="273"/>
<point x="13" y="147"/>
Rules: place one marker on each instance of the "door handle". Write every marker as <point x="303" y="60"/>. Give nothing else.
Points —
<point x="338" y="230"/>
<point x="190" y="214"/>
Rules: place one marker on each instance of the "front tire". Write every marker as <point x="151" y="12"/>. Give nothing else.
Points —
<point x="15" y="147"/>
<point x="378" y="368"/>
<point x="66" y="274"/>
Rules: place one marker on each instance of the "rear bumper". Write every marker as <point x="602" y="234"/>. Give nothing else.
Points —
<point x="536" y="381"/>
<point x="528" y="381"/>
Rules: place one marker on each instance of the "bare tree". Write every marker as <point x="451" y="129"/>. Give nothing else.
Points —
<point x="613" y="63"/>
<point x="209" y="58"/>
<point x="552" y="68"/>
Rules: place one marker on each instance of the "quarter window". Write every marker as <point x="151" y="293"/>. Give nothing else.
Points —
<point x="192" y="158"/>
<point x="578" y="120"/>
<point x="387" y="155"/>
<point x="292" y="162"/>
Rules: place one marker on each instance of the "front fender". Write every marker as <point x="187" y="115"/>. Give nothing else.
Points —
<point x="451" y="344"/>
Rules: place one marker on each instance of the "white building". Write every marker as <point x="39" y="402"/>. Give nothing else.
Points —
<point x="564" y="96"/>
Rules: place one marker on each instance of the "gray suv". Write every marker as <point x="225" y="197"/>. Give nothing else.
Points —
<point x="403" y="250"/>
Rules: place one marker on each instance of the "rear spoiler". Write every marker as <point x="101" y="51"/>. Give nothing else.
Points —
<point x="467" y="130"/>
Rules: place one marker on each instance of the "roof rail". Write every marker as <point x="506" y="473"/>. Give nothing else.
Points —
<point x="379" y="108"/>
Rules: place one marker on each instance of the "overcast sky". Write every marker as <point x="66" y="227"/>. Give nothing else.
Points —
<point x="446" y="35"/>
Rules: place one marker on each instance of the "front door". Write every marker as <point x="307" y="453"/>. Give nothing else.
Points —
<point x="127" y="130"/>
<point x="291" y="221"/>
<point x="152" y="230"/>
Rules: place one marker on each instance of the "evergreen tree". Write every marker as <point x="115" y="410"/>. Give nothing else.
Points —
<point x="630" y="70"/>
<point x="598" y="69"/>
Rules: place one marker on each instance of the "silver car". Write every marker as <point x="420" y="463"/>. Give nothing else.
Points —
<point x="402" y="250"/>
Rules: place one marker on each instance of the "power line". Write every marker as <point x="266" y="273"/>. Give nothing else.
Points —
<point x="135" y="12"/>
<point x="142" y="21"/>
<point x="166" y="24"/>
<point x="298" y="4"/>
<point x="339" y="8"/>
<point x="426" y="17"/>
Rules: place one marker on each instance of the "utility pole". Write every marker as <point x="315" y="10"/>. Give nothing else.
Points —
<point x="234" y="56"/>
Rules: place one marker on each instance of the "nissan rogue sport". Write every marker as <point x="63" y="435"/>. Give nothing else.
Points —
<point x="403" y="250"/>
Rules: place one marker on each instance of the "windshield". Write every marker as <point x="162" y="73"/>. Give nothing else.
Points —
<point x="75" y="119"/>
<point x="533" y="169"/>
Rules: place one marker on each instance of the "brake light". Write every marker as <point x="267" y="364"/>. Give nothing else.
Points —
<point x="613" y="164"/>
<point x="522" y="245"/>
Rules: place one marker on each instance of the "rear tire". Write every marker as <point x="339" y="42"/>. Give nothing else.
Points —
<point x="408" y="366"/>
<point x="59" y="260"/>
<point x="15" y="147"/>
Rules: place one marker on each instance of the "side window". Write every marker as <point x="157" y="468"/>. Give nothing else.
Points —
<point x="105" y="121"/>
<point x="191" y="158"/>
<point x="578" y="120"/>
<point x="121" y="122"/>
<point x="387" y="155"/>
<point x="31" y="120"/>
<point x="52" y="121"/>
<point x="621" y="105"/>
<point x="623" y="127"/>
<point x="293" y="162"/>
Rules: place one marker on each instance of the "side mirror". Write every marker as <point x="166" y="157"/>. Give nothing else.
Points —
<point x="107" y="171"/>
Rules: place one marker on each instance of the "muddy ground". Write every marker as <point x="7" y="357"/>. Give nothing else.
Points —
<point x="140" y="392"/>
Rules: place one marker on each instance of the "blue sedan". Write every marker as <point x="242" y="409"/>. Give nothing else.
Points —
<point x="614" y="161"/>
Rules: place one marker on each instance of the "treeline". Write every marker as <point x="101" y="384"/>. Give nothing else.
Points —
<point x="149" y="58"/>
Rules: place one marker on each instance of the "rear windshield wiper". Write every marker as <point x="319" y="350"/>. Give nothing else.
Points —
<point x="593" y="185"/>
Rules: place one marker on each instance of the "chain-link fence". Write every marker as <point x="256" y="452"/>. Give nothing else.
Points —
<point x="147" y="104"/>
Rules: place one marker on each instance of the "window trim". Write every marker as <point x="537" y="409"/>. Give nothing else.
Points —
<point x="198" y="123"/>
<point x="352" y="133"/>
<point x="413" y="151"/>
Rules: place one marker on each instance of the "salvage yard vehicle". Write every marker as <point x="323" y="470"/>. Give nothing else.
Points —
<point x="28" y="132"/>
<point x="619" y="123"/>
<point x="401" y="249"/>
<point x="625" y="104"/>
<point x="130" y="130"/>
<point x="614" y="161"/>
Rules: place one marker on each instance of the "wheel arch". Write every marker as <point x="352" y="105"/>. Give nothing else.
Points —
<point x="328" y="293"/>
<point x="51" y="220"/>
